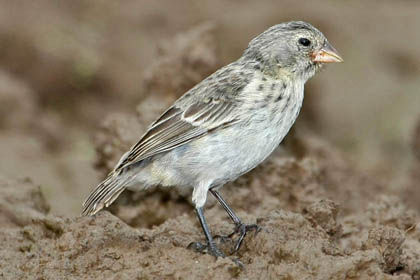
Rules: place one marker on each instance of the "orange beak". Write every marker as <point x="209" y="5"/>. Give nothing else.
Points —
<point x="326" y="55"/>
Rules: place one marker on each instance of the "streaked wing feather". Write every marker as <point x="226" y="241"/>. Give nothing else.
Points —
<point x="182" y="134"/>
<point x="177" y="127"/>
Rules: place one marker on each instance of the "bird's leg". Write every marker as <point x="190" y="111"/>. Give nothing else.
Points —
<point x="240" y="227"/>
<point x="211" y="247"/>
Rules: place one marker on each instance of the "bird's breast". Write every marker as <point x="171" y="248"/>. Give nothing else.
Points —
<point x="264" y="127"/>
<point x="273" y="104"/>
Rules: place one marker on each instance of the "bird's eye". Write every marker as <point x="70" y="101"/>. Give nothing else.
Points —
<point x="304" y="42"/>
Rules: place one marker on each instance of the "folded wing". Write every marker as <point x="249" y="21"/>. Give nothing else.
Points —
<point x="178" y="126"/>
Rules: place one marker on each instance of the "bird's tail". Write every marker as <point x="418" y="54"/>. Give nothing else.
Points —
<point x="105" y="193"/>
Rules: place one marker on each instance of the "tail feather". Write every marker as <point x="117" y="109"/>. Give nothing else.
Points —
<point x="105" y="193"/>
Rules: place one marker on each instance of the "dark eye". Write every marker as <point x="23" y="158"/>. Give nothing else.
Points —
<point x="304" y="42"/>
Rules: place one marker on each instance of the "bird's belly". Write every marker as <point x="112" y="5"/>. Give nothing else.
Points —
<point x="219" y="157"/>
<point x="244" y="154"/>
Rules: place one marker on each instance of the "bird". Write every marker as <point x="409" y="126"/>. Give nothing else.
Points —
<point x="224" y="126"/>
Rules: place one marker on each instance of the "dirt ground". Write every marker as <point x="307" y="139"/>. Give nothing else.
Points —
<point x="80" y="81"/>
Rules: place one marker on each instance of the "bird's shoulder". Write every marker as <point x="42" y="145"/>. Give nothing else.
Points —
<point x="224" y="85"/>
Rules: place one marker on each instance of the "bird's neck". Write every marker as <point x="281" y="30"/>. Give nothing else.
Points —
<point x="299" y="74"/>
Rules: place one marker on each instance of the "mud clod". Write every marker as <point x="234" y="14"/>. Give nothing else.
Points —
<point x="387" y="241"/>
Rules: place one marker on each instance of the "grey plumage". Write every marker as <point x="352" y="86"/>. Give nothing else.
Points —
<point x="228" y="123"/>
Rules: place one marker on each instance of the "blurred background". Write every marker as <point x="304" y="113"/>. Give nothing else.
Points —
<point x="65" y="66"/>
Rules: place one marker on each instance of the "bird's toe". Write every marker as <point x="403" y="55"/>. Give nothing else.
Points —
<point x="209" y="248"/>
<point x="242" y="230"/>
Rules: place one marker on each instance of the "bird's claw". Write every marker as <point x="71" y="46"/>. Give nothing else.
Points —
<point x="212" y="250"/>
<point x="209" y="248"/>
<point x="242" y="230"/>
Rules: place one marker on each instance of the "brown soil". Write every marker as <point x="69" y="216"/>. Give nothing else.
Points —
<point x="306" y="232"/>
<point x="338" y="200"/>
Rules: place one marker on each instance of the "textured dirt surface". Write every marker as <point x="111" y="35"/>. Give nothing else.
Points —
<point x="305" y="234"/>
<point x="80" y="81"/>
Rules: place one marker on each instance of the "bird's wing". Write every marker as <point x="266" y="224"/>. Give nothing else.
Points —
<point x="180" y="125"/>
<point x="210" y="105"/>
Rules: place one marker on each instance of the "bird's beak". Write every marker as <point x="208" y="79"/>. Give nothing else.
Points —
<point x="326" y="55"/>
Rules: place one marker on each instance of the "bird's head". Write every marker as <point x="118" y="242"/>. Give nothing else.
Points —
<point x="296" y="48"/>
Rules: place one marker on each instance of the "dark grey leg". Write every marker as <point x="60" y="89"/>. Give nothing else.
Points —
<point x="211" y="247"/>
<point x="229" y="210"/>
<point x="240" y="228"/>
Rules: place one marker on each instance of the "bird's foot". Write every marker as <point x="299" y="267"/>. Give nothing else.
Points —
<point x="242" y="230"/>
<point x="209" y="248"/>
<point x="212" y="250"/>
